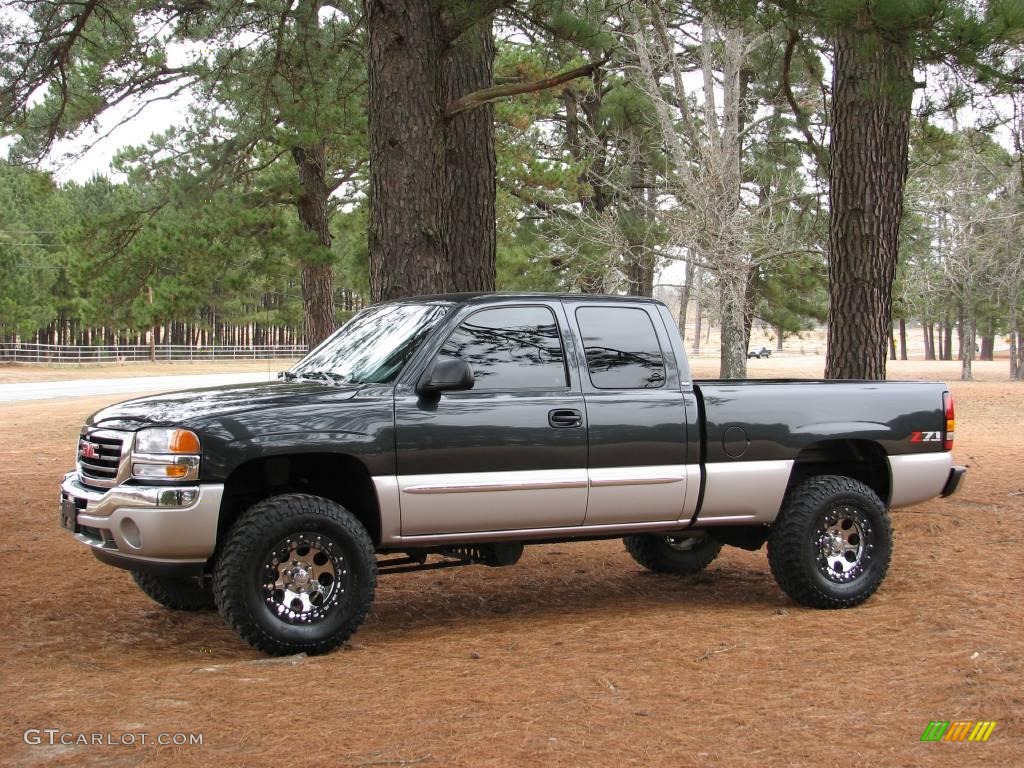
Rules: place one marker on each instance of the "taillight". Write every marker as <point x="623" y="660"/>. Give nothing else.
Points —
<point x="947" y="406"/>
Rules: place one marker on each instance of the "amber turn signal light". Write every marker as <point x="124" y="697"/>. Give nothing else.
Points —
<point x="183" y="441"/>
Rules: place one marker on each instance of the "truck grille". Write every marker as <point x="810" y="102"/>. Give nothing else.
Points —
<point x="100" y="454"/>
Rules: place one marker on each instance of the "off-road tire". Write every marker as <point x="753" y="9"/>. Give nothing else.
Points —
<point x="244" y="594"/>
<point x="658" y="554"/>
<point x="178" y="594"/>
<point x="798" y="544"/>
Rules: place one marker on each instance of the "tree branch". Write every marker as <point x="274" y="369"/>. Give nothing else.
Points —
<point x="802" y="122"/>
<point x="487" y="95"/>
<point x="459" y="17"/>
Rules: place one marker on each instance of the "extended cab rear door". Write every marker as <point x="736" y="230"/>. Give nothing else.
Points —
<point x="511" y="453"/>
<point x="636" y="412"/>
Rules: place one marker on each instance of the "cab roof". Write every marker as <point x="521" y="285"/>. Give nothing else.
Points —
<point x="479" y="297"/>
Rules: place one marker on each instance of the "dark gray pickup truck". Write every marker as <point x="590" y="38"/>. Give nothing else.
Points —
<point x="451" y="430"/>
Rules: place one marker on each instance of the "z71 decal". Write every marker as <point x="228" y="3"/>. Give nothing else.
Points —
<point x="926" y="437"/>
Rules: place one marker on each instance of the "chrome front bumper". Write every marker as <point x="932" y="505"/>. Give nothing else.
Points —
<point x="144" y="527"/>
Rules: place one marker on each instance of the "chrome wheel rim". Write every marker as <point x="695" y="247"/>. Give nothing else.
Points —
<point x="304" y="578"/>
<point x="843" y="544"/>
<point x="682" y="543"/>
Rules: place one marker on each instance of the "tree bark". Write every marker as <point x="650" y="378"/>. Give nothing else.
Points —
<point x="727" y="147"/>
<point x="872" y="86"/>
<point x="470" y="235"/>
<point x="1014" y="349"/>
<point x="639" y="258"/>
<point x="966" y="349"/>
<point x="988" y="344"/>
<point x="317" y="275"/>
<point x="697" y="328"/>
<point x="1019" y="335"/>
<point x="732" y="274"/>
<point x="988" y="340"/>
<point x="903" y="338"/>
<point x="961" y="324"/>
<point x="684" y="296"/>
<point x="594" y="196"/>
<point x="152" y="328"/>
<point x="407" y="43"/>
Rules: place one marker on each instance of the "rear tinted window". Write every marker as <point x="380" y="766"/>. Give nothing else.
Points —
<point x="510" y="348"/>
<point x="622" y="348"/>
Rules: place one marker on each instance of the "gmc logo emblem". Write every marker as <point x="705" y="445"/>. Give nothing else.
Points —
<point x="88" y="450"/>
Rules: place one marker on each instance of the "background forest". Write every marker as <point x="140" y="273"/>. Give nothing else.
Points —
<point x="695" y="144"/>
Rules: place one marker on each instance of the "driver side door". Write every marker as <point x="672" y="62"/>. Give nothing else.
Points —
<point x="511" y="453"/>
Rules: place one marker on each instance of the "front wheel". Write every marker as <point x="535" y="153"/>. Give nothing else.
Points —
<point x="297" y="574"/>
<point x="679" y="555"/>
<point x="832" y="542"/>
<point x="178" y="594"/>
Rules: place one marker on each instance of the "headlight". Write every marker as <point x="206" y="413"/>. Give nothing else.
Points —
<point x="166" y="441"/>
<point x="165" y="454"/>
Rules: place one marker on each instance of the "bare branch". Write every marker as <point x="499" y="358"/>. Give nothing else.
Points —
<point x="802" y="121"/>
<point x="488" y="95"/>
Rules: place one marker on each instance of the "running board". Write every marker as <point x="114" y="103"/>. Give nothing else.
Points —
<point x="410" y="564"/>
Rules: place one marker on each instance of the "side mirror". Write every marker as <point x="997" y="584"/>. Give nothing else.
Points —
<point x="446" y="376"/>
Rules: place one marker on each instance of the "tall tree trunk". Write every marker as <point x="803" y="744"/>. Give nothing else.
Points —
<point x="733" y="266"/>
<point x="732" y="275"/>
<point x="1019" y="335"/>
<point x="903" y="338"/>
<point x="684" y="296"/>
<point x="966" y="349"/>
<point x="317" y="276"/>
<point x="407" y="44"/>
<point x="961" y="323"/>
<point x="988" y="345"/>
<point x="947" y="340"/>
<point x="1014" y="349"/>
<point x="152" y="328"/>
<point x="696" y="328"/>
<point x="595" y="196"/>
<point x="892" y="343"/>
<point x="469" y="235"/>
<point x="748" y="309"/>
<point x="639" y="267"/>
<point x="872" y="88"/>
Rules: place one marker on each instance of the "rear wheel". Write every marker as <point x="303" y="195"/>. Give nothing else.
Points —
<point x="297" y="574"/>
<point x="178" y="594"/>
<point x="832" y="543"/>
<point x="680" y="555"/>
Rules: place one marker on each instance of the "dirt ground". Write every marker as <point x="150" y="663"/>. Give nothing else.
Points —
<point x="574" y="657"/>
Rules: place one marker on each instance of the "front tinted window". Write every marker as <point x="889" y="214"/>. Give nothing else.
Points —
<point x="510" y="348"/>
<point x="622" y="348"/>
<point x="374" y="345"/>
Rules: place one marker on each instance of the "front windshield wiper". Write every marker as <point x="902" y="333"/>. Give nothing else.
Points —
<point x="322" y="375"/>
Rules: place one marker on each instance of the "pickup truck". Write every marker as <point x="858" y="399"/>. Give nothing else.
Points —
<point x="759" y="353"/>
<point x="451" y="430"/>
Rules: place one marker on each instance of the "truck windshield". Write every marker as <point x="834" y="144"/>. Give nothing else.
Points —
<point x="373" y="346"/>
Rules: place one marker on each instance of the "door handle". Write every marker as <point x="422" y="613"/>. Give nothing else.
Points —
<point x="565" y="417"/>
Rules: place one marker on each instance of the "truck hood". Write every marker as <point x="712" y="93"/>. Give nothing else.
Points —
<point x="191" y="407"/>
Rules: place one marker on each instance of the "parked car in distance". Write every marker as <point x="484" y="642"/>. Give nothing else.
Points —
<point x="759" y="353"/>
